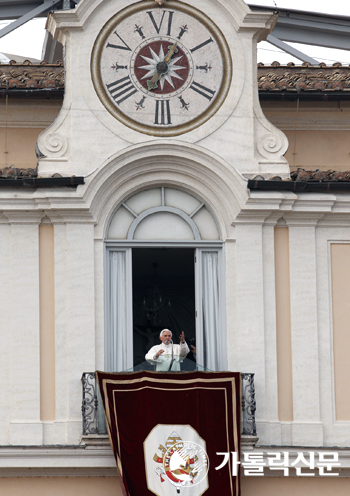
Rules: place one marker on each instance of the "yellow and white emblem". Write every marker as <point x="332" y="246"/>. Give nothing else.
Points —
<point x="176" y="455"/>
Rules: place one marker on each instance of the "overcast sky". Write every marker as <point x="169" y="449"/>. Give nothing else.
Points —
<point x="335" y="7"/>
<point x="28" y="39"/>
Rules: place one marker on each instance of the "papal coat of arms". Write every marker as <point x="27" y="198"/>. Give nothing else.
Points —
<point x="179" y="459"/>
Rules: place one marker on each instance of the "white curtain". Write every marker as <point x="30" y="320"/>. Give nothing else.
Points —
<point x="118" y="338"/>
<point x="213" y="336"/>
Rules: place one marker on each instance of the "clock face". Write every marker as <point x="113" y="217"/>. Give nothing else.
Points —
<point x="161" y="71"/>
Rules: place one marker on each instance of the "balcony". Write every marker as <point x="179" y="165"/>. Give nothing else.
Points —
<point x="93" y="417"/>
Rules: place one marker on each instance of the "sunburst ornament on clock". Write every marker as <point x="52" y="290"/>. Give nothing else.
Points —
<point x="162" y="68"/>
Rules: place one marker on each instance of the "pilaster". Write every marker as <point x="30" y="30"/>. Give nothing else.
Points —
<point x="24" y="330"/>
<point x="61" y="331"/>
<point x="271" y="385"/>
<point x="250" y="332"/>
<point x="80" y="317"/>
<point x="307" y="429"/>
<point x="5" y="326"/>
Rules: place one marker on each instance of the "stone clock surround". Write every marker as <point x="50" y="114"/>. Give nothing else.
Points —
<point x="85" y="134"/>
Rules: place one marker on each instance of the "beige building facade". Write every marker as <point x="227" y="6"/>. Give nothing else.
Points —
<point x="82" y="193"/>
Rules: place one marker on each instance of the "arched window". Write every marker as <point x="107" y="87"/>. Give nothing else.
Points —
<point x="163" y="241"/>
<point x="163" y="214"/>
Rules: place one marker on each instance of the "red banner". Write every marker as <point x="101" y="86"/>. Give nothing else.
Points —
<point x="167" y="428"/>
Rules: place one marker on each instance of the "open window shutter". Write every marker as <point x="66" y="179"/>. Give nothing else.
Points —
<point x="210" y="338"/>
<point x="119" y="336"/>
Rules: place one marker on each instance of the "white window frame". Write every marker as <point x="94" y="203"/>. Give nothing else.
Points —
<point x="199" y="247"/>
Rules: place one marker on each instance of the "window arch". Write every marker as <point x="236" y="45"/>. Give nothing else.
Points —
<point x="162" y="218"/>
<point x="163" y="213"/>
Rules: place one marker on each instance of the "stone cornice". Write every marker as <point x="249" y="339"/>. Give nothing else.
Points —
<point x="303" y="209"/>
<point x="20" y="217"/>
<point x="57" y="461"/>
<point x="98" y="460"/>
<point x="262" y="207"/>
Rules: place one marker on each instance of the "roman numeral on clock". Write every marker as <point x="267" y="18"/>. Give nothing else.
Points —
<point x="202" y="90"/>
<point x="159" y="27"/>
<point x="163" y="114"/>
<point x="119" y="47"/>
<point x="121" y="90"/>
<point x="202" y="45"/>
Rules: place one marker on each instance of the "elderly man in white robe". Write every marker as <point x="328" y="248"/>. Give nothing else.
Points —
<point x="168" y="356"/>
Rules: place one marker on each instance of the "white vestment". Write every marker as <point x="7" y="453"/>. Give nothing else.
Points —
<point x="178" y="352"/>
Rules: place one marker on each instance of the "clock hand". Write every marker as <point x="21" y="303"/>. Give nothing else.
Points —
<point x="162" y="68"/>
<point x="172" y="49"/>
<point x="152" y="83"/>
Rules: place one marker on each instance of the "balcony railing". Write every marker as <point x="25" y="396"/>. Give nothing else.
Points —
<point x="93" y="418"/>
<point x="248" y="405"/>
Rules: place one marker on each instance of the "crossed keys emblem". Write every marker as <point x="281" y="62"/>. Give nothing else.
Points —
<point x="178" y="464"/>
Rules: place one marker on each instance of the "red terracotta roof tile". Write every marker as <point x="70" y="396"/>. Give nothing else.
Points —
<point x="316" y="176"/>
<point x="273" y="78"/>
<point x="304" y="78"/>
<point x="27" y="75"/>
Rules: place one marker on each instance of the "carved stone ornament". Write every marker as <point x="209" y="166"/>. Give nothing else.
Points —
<point x="160" y="2"/>
<point x="56" y="144"/>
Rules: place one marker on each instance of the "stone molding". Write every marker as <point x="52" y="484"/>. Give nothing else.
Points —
<point x="94" y="202"/>
<point x="99" y="461"/>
